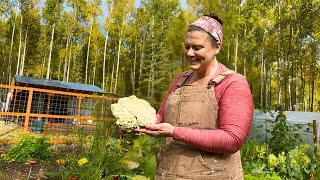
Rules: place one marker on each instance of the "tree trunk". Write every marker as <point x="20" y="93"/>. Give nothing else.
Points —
<point x="50" y="51"/>
<point x="59" y="69"/>
<point x="10" y="53"/>
<point x="228" y="51"/>
<point x="279" y="54"/>
<point x="134" y="68"/>
<point x="104" y="62"/>
<point x="69" y="60"/>
<point x="236" y="54"/>
<point x="245" y="57"/>
<point x="151" y="76"/>
<point x="94" y="70"/>
<point x="65" y="67"/>
<point x="262" y="79"/>
<point x="88" y="52"/>
<point x="141" y="62"/>
<point x="24" y="52"/>
<point x="303" y="87"/>
<point x="119" y="52"/>
<point x="42" y="66"/>
<point x="112" y="74"/>
<point x="19" y="54"/>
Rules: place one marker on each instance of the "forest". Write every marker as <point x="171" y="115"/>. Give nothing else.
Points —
<point x="136" y="47"/>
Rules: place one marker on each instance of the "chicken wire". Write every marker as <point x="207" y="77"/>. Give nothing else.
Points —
<point x="52" y="112"/>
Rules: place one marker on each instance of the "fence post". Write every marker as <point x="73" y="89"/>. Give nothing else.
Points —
<point x="26" y="121"/>
<point x="315" y="136"/>
<point x="79" y="106"/>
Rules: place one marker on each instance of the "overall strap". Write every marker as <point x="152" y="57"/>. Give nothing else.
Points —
<point x="214" y="82"/>
<point x="183" y="79"/>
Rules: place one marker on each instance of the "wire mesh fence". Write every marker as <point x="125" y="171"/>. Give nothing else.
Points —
<point x="53" y="112"/>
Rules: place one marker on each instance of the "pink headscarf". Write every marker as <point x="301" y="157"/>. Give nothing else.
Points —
<point x="210" y="25"/>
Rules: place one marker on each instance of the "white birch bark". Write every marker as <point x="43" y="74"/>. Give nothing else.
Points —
<point x="112" y="74"/>
<point x="11" y="45"/>
<point x="24" y="53"/>
<point x="50" y="51"/>
<point x="19" y="54"/>
<point x="119" y="53"/>
<point x="262" y="78"/>
<point x="152" y="60"/>
<point x="59" y="69"/>
<point x="65" y="66"/>
<point x="236" y="54"/>
<point x="141" y="63"/>
<point x="104" y="62"/>
<point x="88" y="52"/>
<point x="279" y="55"/>
<point x="134" y="68"/>
<point x="69" y="60"/>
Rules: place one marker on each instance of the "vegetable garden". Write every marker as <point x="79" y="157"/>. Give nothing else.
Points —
<point x="109" y="155"/>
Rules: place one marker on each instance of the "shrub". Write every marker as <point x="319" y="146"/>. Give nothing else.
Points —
<point x="29" y="148"/>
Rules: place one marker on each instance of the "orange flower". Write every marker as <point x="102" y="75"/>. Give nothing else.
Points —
<point x="60" y="161"/>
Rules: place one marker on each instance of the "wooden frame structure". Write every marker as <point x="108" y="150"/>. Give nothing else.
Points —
<point x="30" y="101"/>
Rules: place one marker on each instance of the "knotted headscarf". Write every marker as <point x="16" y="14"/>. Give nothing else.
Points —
<point x="211" y="26"/>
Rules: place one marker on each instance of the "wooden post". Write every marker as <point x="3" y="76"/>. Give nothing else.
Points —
<point x="79" y="105"/>
<point x="315" y="136"/>
<point x="26" y="121"/>
<point x="49" y="103"/>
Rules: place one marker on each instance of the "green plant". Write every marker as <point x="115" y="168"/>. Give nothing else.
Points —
<point x="284" y="136"/>
<point x="299" y="166"/>
<point x="29" y="148"/>
<point x="108" y="155"/>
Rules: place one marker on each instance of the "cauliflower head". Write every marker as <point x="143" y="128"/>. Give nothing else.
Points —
<point x="132" y="112"/>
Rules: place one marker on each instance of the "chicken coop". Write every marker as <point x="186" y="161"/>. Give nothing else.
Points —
<point x="52" y="106"/>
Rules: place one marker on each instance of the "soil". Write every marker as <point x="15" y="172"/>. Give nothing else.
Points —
<point x="9" y="134"/>
<point x="20" y="171"/>
<point x="15" y="170"/>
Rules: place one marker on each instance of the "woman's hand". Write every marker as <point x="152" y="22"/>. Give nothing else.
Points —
<point x="157" y="130"/>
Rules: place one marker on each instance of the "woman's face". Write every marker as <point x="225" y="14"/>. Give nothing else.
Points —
<point x="199" y="51"/>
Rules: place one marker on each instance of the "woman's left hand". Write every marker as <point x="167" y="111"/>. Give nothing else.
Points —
<point x="157" y="130"/>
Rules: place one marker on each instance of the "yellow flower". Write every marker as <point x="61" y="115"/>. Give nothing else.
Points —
<point x="272" y="161"/>
<point x="282" y="158"/>
<point x="261" y="150"/>
<point x="60" y="161"/>
<point x="82" y="161"/>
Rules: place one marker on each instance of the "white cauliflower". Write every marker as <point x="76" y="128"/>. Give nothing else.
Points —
<point x="132" y="113"/>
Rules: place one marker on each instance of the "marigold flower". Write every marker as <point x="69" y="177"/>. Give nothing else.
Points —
<point x="82" y="161"/>
<point x="60" y="161"/>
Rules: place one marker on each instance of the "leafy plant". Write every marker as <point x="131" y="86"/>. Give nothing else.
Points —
<point x="29" y="148"/>
<point x="109" y="156"/>
<point x="284" y="136"/>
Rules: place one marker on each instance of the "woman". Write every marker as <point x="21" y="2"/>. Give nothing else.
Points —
<point x="206" y="114"/>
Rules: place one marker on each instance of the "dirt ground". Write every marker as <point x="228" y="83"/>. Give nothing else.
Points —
<point x="15" y="170"/>
<point x="20" y="171"/>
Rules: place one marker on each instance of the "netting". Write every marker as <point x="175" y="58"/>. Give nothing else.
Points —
<point x="52" y="112"/>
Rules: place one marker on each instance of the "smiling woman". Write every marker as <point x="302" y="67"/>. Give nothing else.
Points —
<point x="206" y="114"/>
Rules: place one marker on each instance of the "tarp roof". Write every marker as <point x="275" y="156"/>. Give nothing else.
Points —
<point x="49" y="84"/>
<point x="296" y="117"/>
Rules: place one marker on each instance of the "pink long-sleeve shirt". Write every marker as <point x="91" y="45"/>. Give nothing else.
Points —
<point x="235" y="102"/>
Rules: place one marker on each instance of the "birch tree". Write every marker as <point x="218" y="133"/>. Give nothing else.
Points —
<point x="51" y="14"/>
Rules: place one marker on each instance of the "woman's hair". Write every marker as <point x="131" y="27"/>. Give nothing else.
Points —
<point x="195" y="28"/>
<point x="216" y="17"/>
